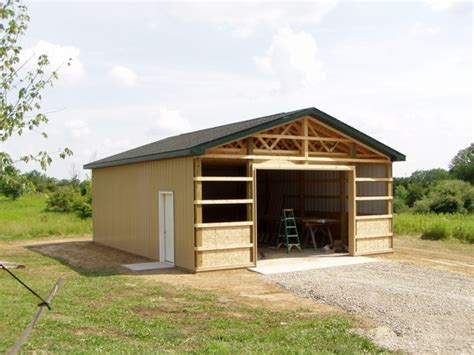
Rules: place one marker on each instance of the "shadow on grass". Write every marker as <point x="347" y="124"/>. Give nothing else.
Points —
<point x="94" y="260"/>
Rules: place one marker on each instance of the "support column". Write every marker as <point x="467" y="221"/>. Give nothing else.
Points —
<point x="352" y="211"/>
<point x="251" y="211"/>
<point x="197" y="208"/>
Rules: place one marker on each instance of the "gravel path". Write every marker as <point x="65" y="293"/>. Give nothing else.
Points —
<point x="418" y="310"/>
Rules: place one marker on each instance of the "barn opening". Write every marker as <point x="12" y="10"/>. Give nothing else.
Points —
<point x="319" y="202"/>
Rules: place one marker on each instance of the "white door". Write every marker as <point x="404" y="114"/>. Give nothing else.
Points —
<point x="166" y="226"/>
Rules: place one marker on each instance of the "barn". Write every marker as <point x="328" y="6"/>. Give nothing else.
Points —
<point x="211" y="199"/>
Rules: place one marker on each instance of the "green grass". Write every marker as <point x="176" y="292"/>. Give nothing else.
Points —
<point x="97" y="311"/>
<point x="104" y="311"/>
<point x="436" y="226"/>
<point x="25" y="218"/>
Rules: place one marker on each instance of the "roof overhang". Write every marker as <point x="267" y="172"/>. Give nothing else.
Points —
<point x="312" y="112"/>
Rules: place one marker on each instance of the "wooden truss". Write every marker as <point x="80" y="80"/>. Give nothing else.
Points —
<point x="302" y="138"/>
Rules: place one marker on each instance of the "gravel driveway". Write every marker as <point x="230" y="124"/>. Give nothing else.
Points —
<point x="418" y="310"/>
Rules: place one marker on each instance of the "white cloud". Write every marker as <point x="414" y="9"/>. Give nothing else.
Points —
<point x="243" y="19"/>
<point x="169" y="121"/>
<point x="78" y="128"/>
<point x="124" y="75"/>
<point x="293" y="59"/>
<point x="58" y="56"/>
<point x="440" y="5"/>
<point x="422" y="30"/>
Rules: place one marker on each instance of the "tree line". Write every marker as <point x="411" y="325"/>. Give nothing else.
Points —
<point x="438" y="190"/>
<point x="63" y="195"/>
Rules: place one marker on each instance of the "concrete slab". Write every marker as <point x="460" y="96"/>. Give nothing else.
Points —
<point x="283" y="265"/>
<point x="148" y="266"/>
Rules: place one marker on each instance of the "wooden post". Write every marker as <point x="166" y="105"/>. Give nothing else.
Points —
<point x="352" y="211"/>
<point x="197" y="207"/>
<point x="251" y="210"/>
<point x="353" y="150"/>
<point x="388" y="174"/>
<point x="250" y="146"/>
<point x="305" y="140"/>
<point x="342" y="204"/>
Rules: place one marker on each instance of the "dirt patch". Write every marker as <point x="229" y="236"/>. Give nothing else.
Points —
<point x="241" y="287"/>
<point x="86" y="255"/>
<point x="442" y="255"/>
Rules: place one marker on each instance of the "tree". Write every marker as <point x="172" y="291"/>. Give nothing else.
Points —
<point x="426" y="178"/>
<point x="462" y="165"/>
<point x="21" y="88"/>
<point x="448" y="196"/>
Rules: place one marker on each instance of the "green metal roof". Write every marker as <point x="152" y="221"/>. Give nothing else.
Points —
<point x="196" y="143"/>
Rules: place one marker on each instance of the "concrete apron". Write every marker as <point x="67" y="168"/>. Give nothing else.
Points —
<point x="283" y="265"/>
<point x="148" y="266"/>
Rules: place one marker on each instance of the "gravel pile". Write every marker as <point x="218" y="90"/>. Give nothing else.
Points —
<point x="418" y="310"/>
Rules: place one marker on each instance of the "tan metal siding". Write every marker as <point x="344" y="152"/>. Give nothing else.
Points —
<point x="125" y="207"/>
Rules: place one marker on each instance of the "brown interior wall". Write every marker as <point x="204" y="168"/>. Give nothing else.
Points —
<point x="309" y="193"/>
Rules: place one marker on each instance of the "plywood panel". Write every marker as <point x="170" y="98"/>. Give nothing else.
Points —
<point x="125" y="207"/>
<point x="225" y="237"/>
<point x="224" y="258"/>
<point x="373" y="245"/>
<point x="373" y="227"/>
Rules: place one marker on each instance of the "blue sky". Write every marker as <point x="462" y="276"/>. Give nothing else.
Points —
<point x="399" y="71"/>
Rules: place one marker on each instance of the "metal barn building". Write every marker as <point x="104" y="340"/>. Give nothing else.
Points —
<point x="207" y="200"/>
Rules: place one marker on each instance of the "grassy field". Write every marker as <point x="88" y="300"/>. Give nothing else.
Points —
<point x="436" y="226"/>
<point x="25" y="218"/>
<point x="103" y="311"/>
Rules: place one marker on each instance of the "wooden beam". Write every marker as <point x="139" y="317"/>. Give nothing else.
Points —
<point x="374" y="236"/>
<point x="277" y="165"/>
<point x="377" y="216"/>
<point x="384" y="251"/>
<point x="223" y="224"/>
<point x="222" y="178"/>
<point x="293" y="158"/>
<point x="331" y="129"/>
<point x="302" y="137"/>
<point x="224" y="247"/>
<point x="222" y="202"/>
<point x="373" y="198"/>
<point x="362" y="179"/>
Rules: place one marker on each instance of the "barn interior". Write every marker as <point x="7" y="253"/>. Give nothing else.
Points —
<point x="318" y="199"/>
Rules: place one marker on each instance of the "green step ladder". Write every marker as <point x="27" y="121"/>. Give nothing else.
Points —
<point x="288" y="231"/>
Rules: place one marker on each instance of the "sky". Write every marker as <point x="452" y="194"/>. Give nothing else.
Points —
<point x="401" y="72"/>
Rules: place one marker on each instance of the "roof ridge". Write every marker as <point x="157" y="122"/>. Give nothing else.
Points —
<point x="195" y="143"/>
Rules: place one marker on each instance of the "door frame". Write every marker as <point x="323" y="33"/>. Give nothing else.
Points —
<point x="351" y="205"/>
<point x="161" y="235"/>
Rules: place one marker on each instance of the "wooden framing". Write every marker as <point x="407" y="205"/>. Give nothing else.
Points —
<point x="310" y="166"/>
<point x="304" y="144"/>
